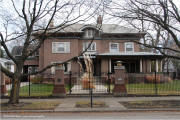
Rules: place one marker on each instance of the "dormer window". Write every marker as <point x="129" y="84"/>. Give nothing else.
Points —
<point x="89" y="33"/>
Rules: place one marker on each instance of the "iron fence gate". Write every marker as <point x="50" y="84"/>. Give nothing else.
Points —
<point x="76" y="84"/>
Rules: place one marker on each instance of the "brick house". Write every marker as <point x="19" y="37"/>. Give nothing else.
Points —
<point x="111" y="43"/>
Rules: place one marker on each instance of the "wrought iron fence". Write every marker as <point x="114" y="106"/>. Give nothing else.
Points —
<point x="136" y="84"/>
<point x="152" y="84"/>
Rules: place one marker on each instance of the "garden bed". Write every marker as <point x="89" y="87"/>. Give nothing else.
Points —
<point x="35" y="105"/>
<point x="152" y="104"/>
<point x="86" y="104"/>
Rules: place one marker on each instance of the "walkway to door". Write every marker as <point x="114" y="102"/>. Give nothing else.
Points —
<point x="100" y="86"/>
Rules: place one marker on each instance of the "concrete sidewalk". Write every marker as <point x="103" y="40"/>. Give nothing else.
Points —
<point x="68" y="104"/>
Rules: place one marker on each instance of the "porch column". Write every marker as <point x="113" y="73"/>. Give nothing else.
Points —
<point x="141" y="65"/>
<point x="104" y="66"/>
<point x="156" y="65"/>
<point x="161" y="66"/>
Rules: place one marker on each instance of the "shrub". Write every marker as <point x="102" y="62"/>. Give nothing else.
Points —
<point x="36" y="80"/>
<point x="159" y="79"/>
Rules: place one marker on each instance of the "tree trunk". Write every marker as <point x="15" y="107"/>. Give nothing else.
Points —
<point x="14" y="96"/>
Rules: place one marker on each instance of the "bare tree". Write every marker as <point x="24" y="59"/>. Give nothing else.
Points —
<point x="26" y="19"/>
<point x="162" y="16"/>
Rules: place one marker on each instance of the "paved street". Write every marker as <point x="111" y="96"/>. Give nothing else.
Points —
<point x="94" y="116"/>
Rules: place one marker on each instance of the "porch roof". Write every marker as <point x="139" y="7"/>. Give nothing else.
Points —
<point x="141" y="54"/>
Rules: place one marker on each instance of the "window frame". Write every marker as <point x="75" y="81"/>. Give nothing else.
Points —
<point x="111" y="50"/>
<point x="84" y="47"/>
<point x="66" y="50"/>
<point x="126" y="45"/>
<point x="89" y="33"/>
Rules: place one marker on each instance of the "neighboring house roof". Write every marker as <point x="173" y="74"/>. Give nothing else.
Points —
<point x="105" y="28"/>
<point x="17" y="50"/>
<point x="4" y="60"/>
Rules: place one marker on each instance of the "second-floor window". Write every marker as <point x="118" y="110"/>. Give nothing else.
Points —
<point x="90" y="48"/>
<point x="60" y="47"/>
<point x="89" y="33"/>
<point x="114" y="47"/>
<point x="129" y="47"/>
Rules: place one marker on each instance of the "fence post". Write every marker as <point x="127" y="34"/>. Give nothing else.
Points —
<point x="109" y="83"/>
<point x="70" y="84"/>
<point x="29" y="85"/>
<point x="91" y="93"/>
<point x="156" y="92"/>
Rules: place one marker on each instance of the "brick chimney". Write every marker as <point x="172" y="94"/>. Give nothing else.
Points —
<point x="99" y="20"/>
<point x="51" y="25"/>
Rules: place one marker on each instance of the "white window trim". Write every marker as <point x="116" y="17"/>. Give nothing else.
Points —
<point x="61" y="51"/>
<point x="90" y="46"/>
<point x="129" y="43"/>
<point x="110" y="46"/>
<point x="87" y="35"/>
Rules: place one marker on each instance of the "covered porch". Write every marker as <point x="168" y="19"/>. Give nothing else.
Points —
<point x="139" y="62"/>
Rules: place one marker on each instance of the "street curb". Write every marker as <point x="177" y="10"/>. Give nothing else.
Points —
<point x="90" y="110"/>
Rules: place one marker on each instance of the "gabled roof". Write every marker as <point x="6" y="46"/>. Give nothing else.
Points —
<point x="105" y="28"/>
<point x="17" y="50"/>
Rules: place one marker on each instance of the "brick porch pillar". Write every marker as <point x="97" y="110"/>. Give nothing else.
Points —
<point x="3" y="85"/>
<point x="59" y="85"/>
<point x="119" y="86"/>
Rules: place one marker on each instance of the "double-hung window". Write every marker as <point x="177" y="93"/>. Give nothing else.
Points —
<point x="60" y="47"/>
<point x="89" y="33"/>
<point x="114" y="47"/>
<point x="129" y="47"/>
<point x="92" y="47"/>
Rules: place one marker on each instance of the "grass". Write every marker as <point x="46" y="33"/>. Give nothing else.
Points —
<point x="36" y="90"/>
<point x="85" y="104"/>
<point x="152" y="104"/>
<point x="172" y="88"/>
<point x="35" y="105"/>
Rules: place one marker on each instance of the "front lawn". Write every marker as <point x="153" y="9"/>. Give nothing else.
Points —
<point x="36" y="90"/>
<point x="172" y="88"/>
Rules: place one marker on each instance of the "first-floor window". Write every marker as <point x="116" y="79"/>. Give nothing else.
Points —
<point x="92" y="47"/>
<point x="60" y="47"/>
<point x="114" y="47"/>
<point x="65" y="66"/>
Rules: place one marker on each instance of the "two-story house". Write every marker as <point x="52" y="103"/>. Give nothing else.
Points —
<point x="111" y="43"/>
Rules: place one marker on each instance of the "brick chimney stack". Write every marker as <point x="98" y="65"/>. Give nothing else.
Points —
<point x="99" y="20"/>
<point x="51" y="25"/>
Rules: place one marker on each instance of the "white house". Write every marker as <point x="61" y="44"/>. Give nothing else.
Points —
<point x="9" y="64"/>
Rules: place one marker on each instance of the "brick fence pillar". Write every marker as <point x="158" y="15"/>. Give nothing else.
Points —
<point x="59" y="85"/>
<point x="3" y="85"/>
<point x="119" y="86"/>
